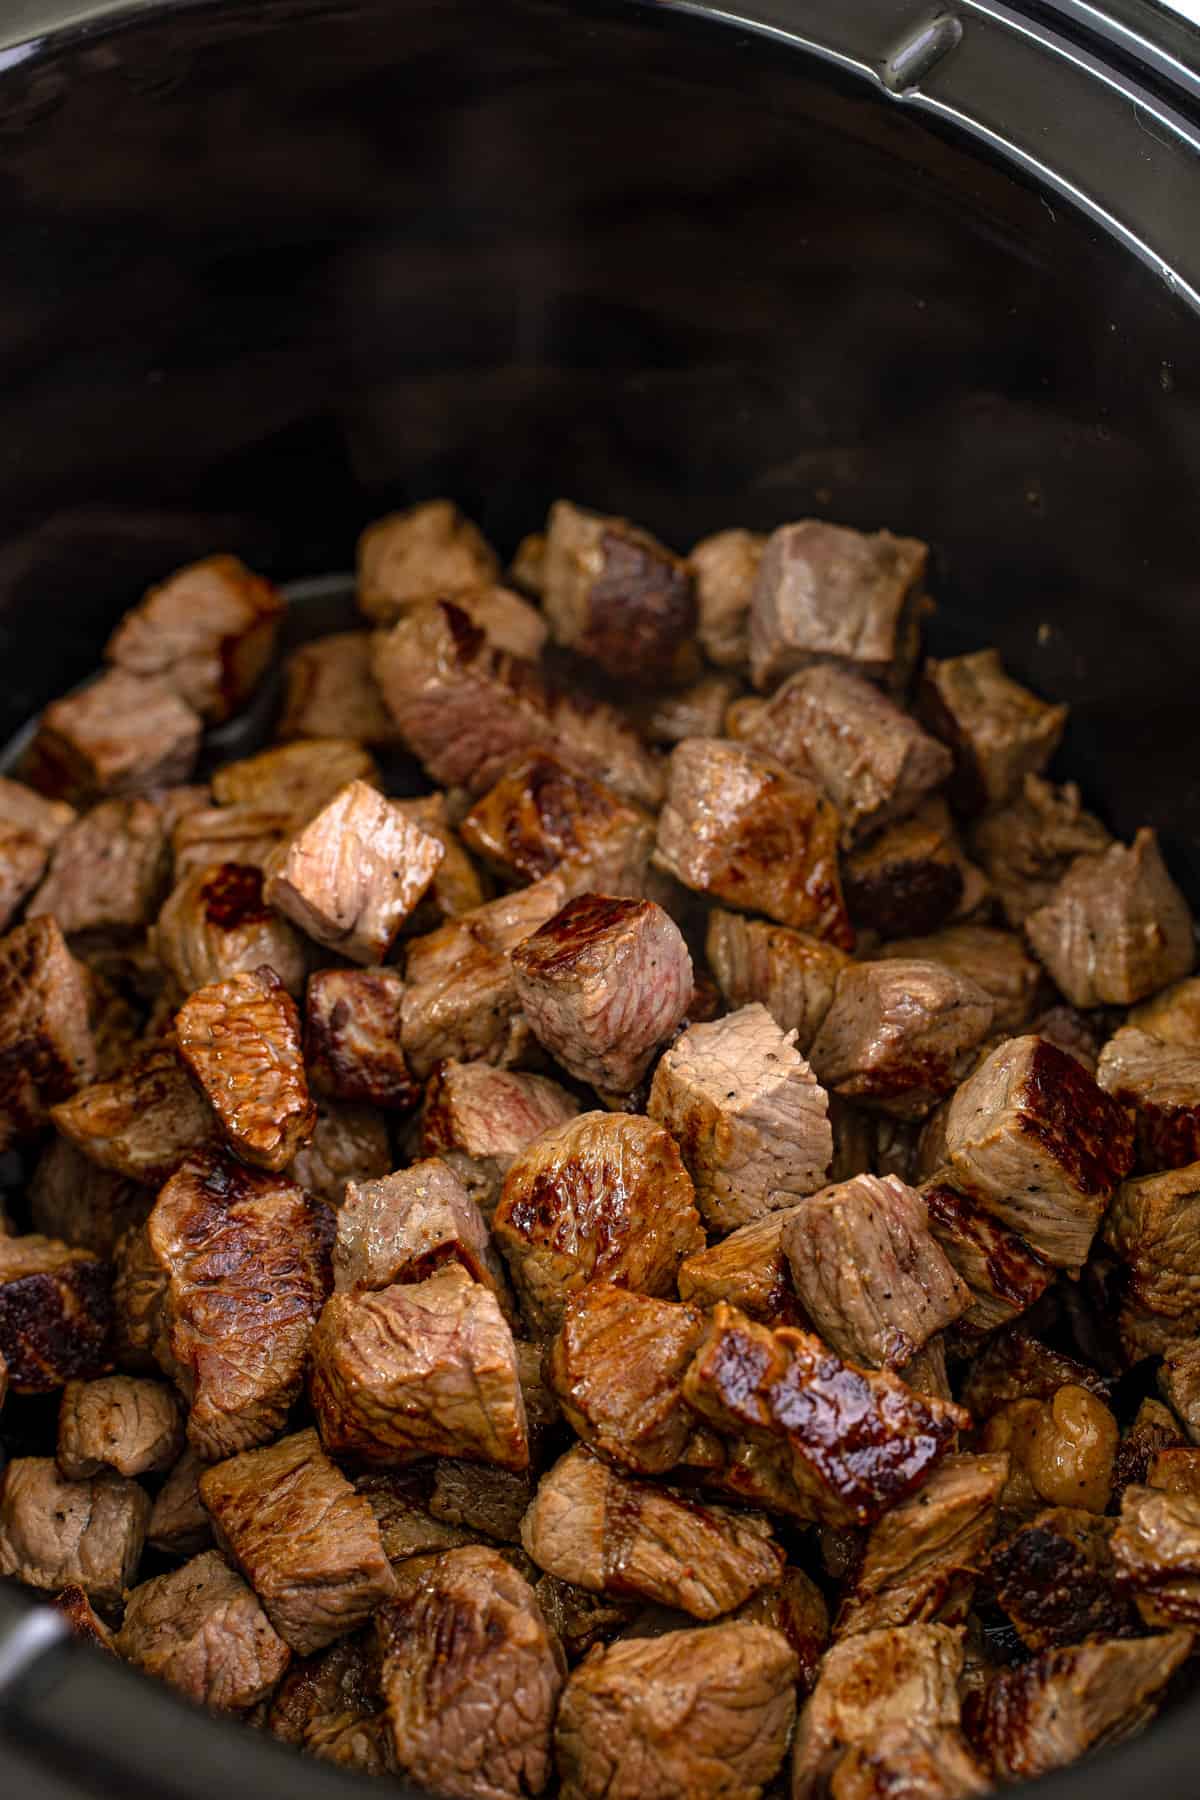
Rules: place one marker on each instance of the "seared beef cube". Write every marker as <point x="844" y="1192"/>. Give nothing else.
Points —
<point x="1161" y="1082"/>
<point x="603" y="984"/>
<point x="408" y="1225"/>
<point x="121" y="734"/>
<point x="72" y="1198"/>
<point x="139" y="1288"/>
<point x="1174" y="1468"/>
<point x="108" y="870"/>
<point x="614" y="594"/>
<point x="857" y="1441"/>
<point x="748" y="1269"/>
<point x="1172" y="1016"/>
<point x="247" y="1255"/>
<point x="422" y="1370"/>
<point x="227" y="834"/>
<point x="912" y="877"/>
<point x="456" y="887"/>
<point x="919" y="1562"/>
<point x="921" y="1763"/>
<point x="118" y="1422"/>
<point x="1003" y="1274"/>
<point x="470" y="1677"/>
<point x="477" y="1118"/>
<point x="723" y="570"/>
<point x="792" y="975"/>
<point x="900" y="1034"/>
<point x="825" y="593"/>
<point x="1055" y="1579"/>
<point x="407" y="556"/>
<point x="330" y="691"/>
<point x="1049" y="1711"/>
<point x="868" y="1272"/>
<point x="1116" y="927"/>
<point x="691" y="1712"/>
<point x="55" y="1313"/>
<point x="1027" y="847"/>
<point x="605" y="1198"/>
<point x="297" y="779"/>
<point x="615" y="1536"/>
<point x="617" y="1365"/>
<point x="46" y="1048"/>
<point x="1015" y="1366"/>
<point x="351" y="876"/>
<point x="352" y="1037"/>
<point x="144" y="1122"/>
<point x="399" y="1498"/>
<point x="179" y="1521"/>
<point x="349" y="1143"/>
<point x="874" y="761"/>
<point x="580" y="1619"/>
<point x="797" y="1609"/>
<point x="1153" y="1225"/>
<point x="543" y="814"/>
<point x="209" y="631"/>
<point x="748" y="1115"/>
<point x="508" y="622"/>
<point x="1032" y="1137"/>
<point x="460" y="998"/>
<point x="999" y="731"/>
<point x="872" y="1681"/>
<point x="306" y="1542"/>
<point x="202" y="1631"/>
<point x="215" y="924"/>
<point x="478" y="1500"/>
<point x="54" y="1531"/>
<point x="1178" y="1383"/>
<point x="241" y="1041"/>
<point x="993" y="960"/>
<point x="695" y="711"/>
<point x="40" y="820"/>
<point x="738" y="826"/>
<point x="83" y="1622"/>
<point x="1154" y="1429"/>
<point x="330" y="1706"/>
<point x="22" y="865"/>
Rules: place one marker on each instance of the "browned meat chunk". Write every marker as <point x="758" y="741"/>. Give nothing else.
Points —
<point x="215" y="924"/>
<point x="46" y="1048"/>
<point x="422" y="1370"/>
<point x="614" y="594"/>
<point x="797" y="1609"/>
<point x="329" y="1705"/>
<point x="912" y="877"/>
<point x="477" y="1118"/>
<point x="1027" y="847"/>
<point x="139" y="1288"/>
<point x="1172" y="1016"/>
<point x="868" y="1272"/>
<point x="478" y="1499"/>
<point x="697" y="710"/>
<point x="617" y="1366"/>
<point x="872" y="1681"/>
<point x="603" y="984"/>
<point x="408" y="1225"/>
<point x="854" y="1441"/>
<point x="919" y="1763"/>
<point x="142" y="1123"/>
<point x="1179" y="1384"/>
<point x="999" y="731"/>
<point x="723" y="569"/>
<point x="330" y="691"/>
<point x="31" y="814"/>
<point x="118" y="1422"/>
<point x="351" y="876"/>
<point x="900" y="1034"/>
<point x="456" y="887"/>
<point x="202" y="1631"/>
<point x="399" y="1498"/>
<point x="247" y="1256"/>
<point x="1032" y="1137"/>
<point x="1116" y="927"/>
<point x="241" y="1041"/>
<point x="1056" y="1580"/>
<point x="208" y="631"/>
<point x="1153" y="1225"/>
<point x="108" y="870"/>
<point x="470" y="1677"/>
<point x="55" y="1313"/>
<point x="606" y="1198"/>
<point x="294" y="779"/>
<point x="1154" y="1428"/>
<point x="579" y="1619"/>
<point x="1171" y="1465"/>
<point x="349" y="1143"/>
<point x="738" y="826"/>
<point x="431" y="549"/>
<point x="121" y="734"/>
<point x="1161" y="1082"/>
<point x="824" y="593"/>
<point x="179" y="1521"/>
<point x="1015" y="1366"/>
<point x="460" y="998"/>
<point x="993" y="960"/>
<point x="691" y="1712"/>
<point x="1045" y="1713"/>
<point x="54" y="1531"/>
<point x="84" y="1623"/>
<point x="306" y="1542"/>
<point x="615" y="1536"/>
<point x="542" y="814"/>
<point x="1003" y="1274"/>
<point x="72" y="1198"/>
<point x="745" y="1108"/>
<point x="748" y="1269"/>
<point x="352" y="1037"/>
<point x="792" y="975"/>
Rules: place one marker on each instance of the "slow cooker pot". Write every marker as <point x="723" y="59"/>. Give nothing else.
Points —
<point x="271" y="267"/>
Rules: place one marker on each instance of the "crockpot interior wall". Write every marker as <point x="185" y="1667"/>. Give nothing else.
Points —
<point x="269" y="269"/>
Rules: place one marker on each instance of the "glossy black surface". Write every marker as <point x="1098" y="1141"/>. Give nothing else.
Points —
<point x="269" y="269"/>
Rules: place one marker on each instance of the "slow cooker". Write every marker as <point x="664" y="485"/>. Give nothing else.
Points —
<point x="271" y="267"/>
